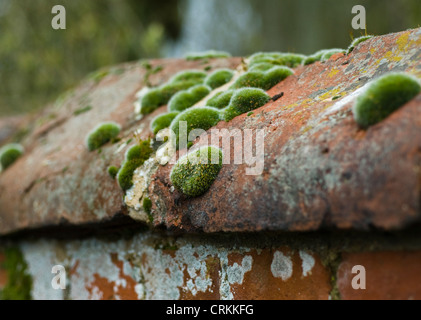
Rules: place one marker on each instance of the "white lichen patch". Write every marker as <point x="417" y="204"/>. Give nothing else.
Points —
<point x="344" y="101"/>
<point x="236" y="272"/>
<point x="281" y="266"/>
<point x="307" y="262"/>
<point x="151" y="266"/>
<point x="168" y="149"/>
<point x="139" y="95"/>
<point x="135" y="195"/>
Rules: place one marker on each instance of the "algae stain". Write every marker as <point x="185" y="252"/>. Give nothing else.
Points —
<point x="19" y="284"/>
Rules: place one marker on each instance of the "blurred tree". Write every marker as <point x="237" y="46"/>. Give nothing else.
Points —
<point x="37" y="62"/>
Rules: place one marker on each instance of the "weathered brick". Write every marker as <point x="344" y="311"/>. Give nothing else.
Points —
<point x="281" y="274"/>
<point x="389" y="275"/>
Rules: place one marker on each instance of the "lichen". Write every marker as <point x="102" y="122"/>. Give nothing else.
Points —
<point x="244" y="100"/>
<point x="102" y="134"/>
<point x="19" y="282"/>
<point x="194" y="173"/>
<point x="162" y="121"/>
<point x="383" y="96"/>
<point x="262" y="79"/>
<point x="218" y="78"/>
<point x="135" y="157"/>
<point x="9" y="154"/>
<point x="357" y="41"/>
<point x="196" y="118"/>
<point x="207" y="55"/>
<point x="221" y="99"/>
<point x="187" y="98"/>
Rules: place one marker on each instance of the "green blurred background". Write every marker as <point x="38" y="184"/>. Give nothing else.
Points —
<point x="38" y="63"/>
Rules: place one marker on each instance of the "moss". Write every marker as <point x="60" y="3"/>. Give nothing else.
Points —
<point x="9" y="154"/>
<point x="384" y="96"/>
<point x="291" y="60"/>
<point x="147" y="207"/>
<point x="149" y="71"/>
<point x="82" y="110"/>
<point x="218" y="78"/>
<point x="221" y="99"/>
<point x="328" y="53"/>
<point x="187" y="98"/>
<point x="98" y="75"/>
<point x="102" y="134"/>
<point x="135" y="157"/>
<point x="262" y="79"/>
<point x="207" y="55"/>
<point x="194" y="173"/>
<point x="162" y="121"/>
<point x="189" y="75"/>
<point x="196" y="118"/>
<point x="112" y="171"/>
<point x="160" y="96"/>
<point x="261" y="66"/>
<point x="244" y="100"/>
<point x="356" y="42"/>
<point x="317" y="56"/>
<point x="19" y="282"/>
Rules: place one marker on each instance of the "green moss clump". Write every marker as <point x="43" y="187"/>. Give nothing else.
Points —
<point x="82" y="110"/>
<point x="262" y="79"/>
<point x="221" y="99"/>
<point x="112" y="171"/>
<point x="160" y="96"/>
<point x="147" y="207"/>
<point x="328" y="53"/>
<point x="196" y="118"/>
<point x="383" y="96"/>
<point x="162" y="121"/>
<point x="291" y="60"/>
<point x="19" y="282"/>
<point x="189" y="75"/>
<point x="194" y="173"/>
<point x="218" y="78"/>
<point x="187" y="98"/>
<point x="135" y="157"/>
<point x="317" y="56"/>
<point x="244" y="100"/>
<point x="261" y="66"/>
<point x="102" y="134"/>
<point x="207" y="55"/>
<point x="9" y="154"/>
<point x="356" y="42"/>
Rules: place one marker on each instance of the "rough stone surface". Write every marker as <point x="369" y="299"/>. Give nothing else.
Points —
<point x="389" y="276"/>
<point x="149" y="266"/>
<point x="58" y="181"/>
<point x="320" y="170"/>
